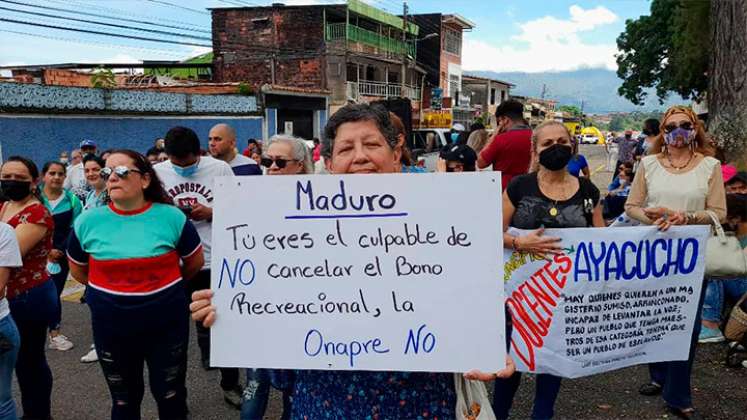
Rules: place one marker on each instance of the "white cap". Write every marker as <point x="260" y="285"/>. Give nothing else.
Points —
<point x="458" y="127"/>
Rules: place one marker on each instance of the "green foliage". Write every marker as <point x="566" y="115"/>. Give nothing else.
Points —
<point x="630" y="121"/>
<point x="668" y="50"/>
<point x="573" y="110"/>
<point x="245" y="89"/>
<point x="103" y="78"/>
<point x="483" y="119"/>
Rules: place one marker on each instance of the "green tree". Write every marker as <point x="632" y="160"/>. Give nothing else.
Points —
<point x="571" y="109"/>
<point x="616" y="123"/>
<point x="103" y="78"/>
<point x="668" y="50"/>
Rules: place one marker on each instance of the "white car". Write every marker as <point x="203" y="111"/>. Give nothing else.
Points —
<point x="589" y="139"/>
<point x="426" y="143"/>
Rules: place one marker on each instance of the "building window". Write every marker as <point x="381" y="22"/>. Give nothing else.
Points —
<point x="453" y="41"/>
<point x="503" y="96"/>
<point x="492" y="96"/>
<point x="454" y="87"/>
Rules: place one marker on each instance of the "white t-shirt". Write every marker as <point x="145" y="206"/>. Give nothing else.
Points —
<point x="196" y="189"/>
<point x="75" y="181"/>
<point x="10" y="256"/>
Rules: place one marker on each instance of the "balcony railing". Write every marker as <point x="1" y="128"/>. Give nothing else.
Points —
<point x="380" y="89"/>
<point x="341" y="31"/>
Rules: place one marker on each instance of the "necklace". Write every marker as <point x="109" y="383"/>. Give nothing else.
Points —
<point x="679" y="168"/>
<point x="553" y="211"/>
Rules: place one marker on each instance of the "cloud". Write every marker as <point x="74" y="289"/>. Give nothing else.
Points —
<point x="546" y="44"/>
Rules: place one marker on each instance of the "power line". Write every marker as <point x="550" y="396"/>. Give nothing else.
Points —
<point x="65" y="28"/>
<point x="114" y="25"/>
<point x="174" y="53"/>
<point x="58" y="9"/>
<point x="118" y="12"/>
<point x="179" y="7"/>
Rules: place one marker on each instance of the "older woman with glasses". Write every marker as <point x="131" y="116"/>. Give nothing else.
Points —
<point x="284" y="155"/>
<point x="135" y="254"/>
<point x="360" y="139"/>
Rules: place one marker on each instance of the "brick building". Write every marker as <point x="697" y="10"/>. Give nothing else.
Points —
<point x="353" y="51"/>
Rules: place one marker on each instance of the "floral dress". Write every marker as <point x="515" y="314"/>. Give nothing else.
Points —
<point x="34" y="270"/>
<point x="373" y="395"/>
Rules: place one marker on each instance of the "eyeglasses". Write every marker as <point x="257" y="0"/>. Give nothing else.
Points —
<point x="685" y="125"/>
<point x="121" y="171"/>
<point x="280" y="163"/>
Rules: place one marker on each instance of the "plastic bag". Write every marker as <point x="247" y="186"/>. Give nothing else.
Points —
<point x="472" y="400"/>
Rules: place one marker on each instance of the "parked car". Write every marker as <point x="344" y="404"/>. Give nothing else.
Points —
<point x="425" y="143"/>
<point x="589" y="139"/>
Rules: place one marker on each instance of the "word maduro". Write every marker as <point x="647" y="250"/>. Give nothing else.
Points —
<point x="531" y="306"/>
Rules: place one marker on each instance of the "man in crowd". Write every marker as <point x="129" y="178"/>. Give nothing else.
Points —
<point x="222" y="144"/>
<point x="510" y="151"/>
<point x="75" y="180"/>
<point x="188" y="178"/>
<point x="251" y="144"/>
<point x="737" y="184"/>
<point x="626" y="147"/>
<point x="76" y="157"/>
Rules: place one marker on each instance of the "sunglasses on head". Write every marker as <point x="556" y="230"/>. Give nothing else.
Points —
<point x="280" y="163"/>
<point x="685" y="125"/>
<point x="121" y="171"/>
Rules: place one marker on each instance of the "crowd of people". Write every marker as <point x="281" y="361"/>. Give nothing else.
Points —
<point x="136" y="229"/>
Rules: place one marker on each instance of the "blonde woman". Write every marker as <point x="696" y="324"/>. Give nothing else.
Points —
<point x="680" y="157"/>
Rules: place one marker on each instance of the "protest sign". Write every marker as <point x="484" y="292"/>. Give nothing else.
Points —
<point x="614" y="297"/>
<point x="359" y="272"/>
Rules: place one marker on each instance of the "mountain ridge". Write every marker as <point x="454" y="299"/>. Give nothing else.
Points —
<point x="597" y="88"/>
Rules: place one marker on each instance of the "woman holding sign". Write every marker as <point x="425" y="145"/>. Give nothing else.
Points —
<point x="360" y="139"/>
<point x="680" y="157"/>
<point x="547" y="197"/>
<point x="134" y="254"/>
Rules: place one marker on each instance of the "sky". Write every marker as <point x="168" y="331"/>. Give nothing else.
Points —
<point x="510" y="35"/>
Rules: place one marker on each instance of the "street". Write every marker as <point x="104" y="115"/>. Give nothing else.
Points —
<point x="80" y="392"/>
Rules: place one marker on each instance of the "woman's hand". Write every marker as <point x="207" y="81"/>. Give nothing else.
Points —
<point x="476" y="375"/>
<point x="202" y="308"/>
<point x="440" y="165"/>
<point x="670" y="219"/>
<point x="655" y="213"/>
<point x="55" y="255"/>
<point x="536" y="243"/>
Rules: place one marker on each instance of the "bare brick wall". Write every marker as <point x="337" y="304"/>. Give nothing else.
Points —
<point x="244" y="41"/>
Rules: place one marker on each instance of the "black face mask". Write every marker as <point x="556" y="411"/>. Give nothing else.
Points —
<point x="556" y="157"/>
<point x="15" y="190"/>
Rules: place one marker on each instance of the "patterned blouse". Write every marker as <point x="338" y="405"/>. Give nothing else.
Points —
<point x="34" y="270"/>
<point x="373" y="395"/>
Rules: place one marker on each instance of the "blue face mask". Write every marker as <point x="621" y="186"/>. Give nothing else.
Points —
<point x="53" y="268"/>
<point x="454" y="137"/>
<point x="186" y="171"/>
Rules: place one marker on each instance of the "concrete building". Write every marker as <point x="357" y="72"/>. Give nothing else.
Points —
<point x="485" y="94"/>
<point x="353" y="52"/>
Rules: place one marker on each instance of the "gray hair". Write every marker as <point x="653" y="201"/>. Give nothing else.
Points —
<point x="354" y="113"/>
<point x="299" y="149"/>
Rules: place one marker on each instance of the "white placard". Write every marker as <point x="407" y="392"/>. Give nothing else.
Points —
<point x="614" y="297"/>
<point x="359" y="272"/>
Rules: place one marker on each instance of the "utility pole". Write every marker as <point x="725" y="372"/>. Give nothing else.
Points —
<point x="544" y="91"/>
<point x="404" y="48"/>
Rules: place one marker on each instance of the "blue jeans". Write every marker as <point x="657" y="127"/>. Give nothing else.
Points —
<point x="32" y="310"/>
<point x="674" y="376"/>
<point x="545" y="393"/>
<point x="716" y="290"/>
<point x="59" y="280"/>
<point x="10" y="341"/>
<point x="257" y="392"/>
